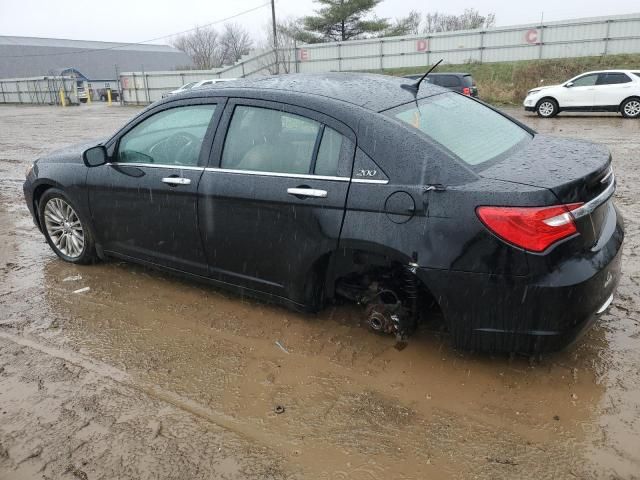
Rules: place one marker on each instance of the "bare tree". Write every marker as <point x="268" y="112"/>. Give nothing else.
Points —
<point x="235" y="42"/>
<point x="203" y="46"/>
<point x="409" y="25"/>
<point x="470" y="19"/>
<point x="282" y="61"/>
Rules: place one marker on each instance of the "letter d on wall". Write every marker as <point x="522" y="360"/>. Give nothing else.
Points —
<point x="421" y="45"/>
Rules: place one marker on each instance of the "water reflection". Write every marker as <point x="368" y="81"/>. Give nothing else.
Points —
<point x="348" y="393"/>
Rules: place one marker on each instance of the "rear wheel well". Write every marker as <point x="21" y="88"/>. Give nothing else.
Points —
<point x="352" y="274"/>
<point x="621" y="106"/>
<point x="636" y="97"/>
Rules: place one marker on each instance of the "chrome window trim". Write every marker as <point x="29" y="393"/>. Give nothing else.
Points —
<point x="369" y="180"/>
<point x="276" y="174"/>
<point x="251" y="172"/>
<point x="594" y="203"/>
<point x="156" y="165"/>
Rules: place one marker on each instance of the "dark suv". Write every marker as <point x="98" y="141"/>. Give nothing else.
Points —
<point x="312" y="189"/>
<point x="458" y="82"/>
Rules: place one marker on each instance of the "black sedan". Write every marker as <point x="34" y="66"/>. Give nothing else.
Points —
<point x="309" y="189"/>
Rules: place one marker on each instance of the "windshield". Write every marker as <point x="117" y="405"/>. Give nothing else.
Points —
<point x="472" y="132"/>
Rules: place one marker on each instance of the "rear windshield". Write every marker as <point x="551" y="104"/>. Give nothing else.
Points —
<point x="472" y="132"/>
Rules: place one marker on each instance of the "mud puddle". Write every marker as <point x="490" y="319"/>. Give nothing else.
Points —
<point x="148" y="376"/>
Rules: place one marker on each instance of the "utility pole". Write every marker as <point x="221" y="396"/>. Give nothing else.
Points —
<point x="275" y="35"/>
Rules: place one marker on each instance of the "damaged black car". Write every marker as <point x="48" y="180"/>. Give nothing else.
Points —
<point x="307" y="189"/>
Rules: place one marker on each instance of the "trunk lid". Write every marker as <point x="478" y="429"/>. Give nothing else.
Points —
<point x="576" y="171"/>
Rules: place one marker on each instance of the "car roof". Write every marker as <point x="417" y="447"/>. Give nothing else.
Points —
<point x="460" y="74"/>
<point x="371" y="91"/>
<point x="608" y="71"/>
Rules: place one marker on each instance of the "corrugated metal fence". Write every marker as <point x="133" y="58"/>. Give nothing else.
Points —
<point x="38" y="90"/>
<point x="571" y="38"/>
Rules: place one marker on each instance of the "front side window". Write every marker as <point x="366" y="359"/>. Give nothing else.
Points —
<point x="171" y="137"/>
<point x="586" y="81"/>
<point x="472" y="132"/>
<point x="267" y="140"/>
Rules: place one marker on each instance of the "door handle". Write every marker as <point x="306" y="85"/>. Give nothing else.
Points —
<point x="176" y="181"/>
<point x="307" y="192"/>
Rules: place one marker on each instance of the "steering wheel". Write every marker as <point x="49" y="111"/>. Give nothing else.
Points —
<point x="174" y="148"/>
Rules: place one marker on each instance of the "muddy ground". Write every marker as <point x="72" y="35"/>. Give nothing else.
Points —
<point x="149" y="376"/>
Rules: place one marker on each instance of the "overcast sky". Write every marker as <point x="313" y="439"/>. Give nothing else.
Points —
<point x="139" y="20"/>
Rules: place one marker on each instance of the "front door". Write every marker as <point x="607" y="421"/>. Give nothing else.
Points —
<point x="144" y="202"/>
<point x="581" y="94"/>
<point x="273" y="201"/>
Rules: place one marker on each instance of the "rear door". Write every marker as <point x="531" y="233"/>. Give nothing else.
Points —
<point x="272" y="200"/>
<point x="612" y="88"/>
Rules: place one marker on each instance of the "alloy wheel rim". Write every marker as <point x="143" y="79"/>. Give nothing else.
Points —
<point x="632" y="108"/>
<point x="546" y="109"/>
<point x="64" y="227"/>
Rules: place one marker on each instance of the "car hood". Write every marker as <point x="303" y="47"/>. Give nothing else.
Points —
<point x="565" y="166"/>
<point x="546" y="87"/>
<point x="70" y="154"/>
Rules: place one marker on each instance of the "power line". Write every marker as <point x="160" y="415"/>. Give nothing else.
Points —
<point x="143" y="41"/>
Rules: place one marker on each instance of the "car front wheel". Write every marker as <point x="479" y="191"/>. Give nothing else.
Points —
<point x="547" y="108"/>
<point x="66" y="232"/>
<point x="630" y="108"/>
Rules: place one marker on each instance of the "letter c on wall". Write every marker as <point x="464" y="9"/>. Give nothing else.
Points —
<point x="531" y="37"/>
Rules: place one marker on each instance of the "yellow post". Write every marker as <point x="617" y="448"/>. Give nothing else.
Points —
<point x="109" y="96"/>
<point x="63" y="102"/>
<point x="88" y="90"/>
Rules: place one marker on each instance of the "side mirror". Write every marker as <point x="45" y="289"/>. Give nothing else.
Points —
<point x="95" y="156"/>
<point x="568" y="84"/>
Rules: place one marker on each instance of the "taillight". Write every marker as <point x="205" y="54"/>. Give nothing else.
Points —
<point x="466" y="91"/>
<point x="532" y="228"/>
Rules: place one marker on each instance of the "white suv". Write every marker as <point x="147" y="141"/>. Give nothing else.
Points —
<point x="604" y="91"/>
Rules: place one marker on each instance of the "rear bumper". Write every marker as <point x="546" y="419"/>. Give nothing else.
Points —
<point x="528" y="314"/>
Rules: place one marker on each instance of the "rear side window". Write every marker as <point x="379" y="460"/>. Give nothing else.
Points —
<point x="472" y="132"/>
<point x="328" y="153"/>
<point x="468" y="81"/>
<point x="613" y="78"/>
<point x="266" y="140"/>
<point x="449" y="81"/>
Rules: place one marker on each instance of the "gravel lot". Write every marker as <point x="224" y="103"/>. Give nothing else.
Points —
<point x="147" y="376"/>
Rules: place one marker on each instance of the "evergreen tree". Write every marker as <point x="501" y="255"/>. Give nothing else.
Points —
<point x="340" y="20"/>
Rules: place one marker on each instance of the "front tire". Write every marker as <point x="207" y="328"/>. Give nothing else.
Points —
<point x="67" y="233"/>
<point x="630" y="108"/>
<point x="547" y="108"/>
